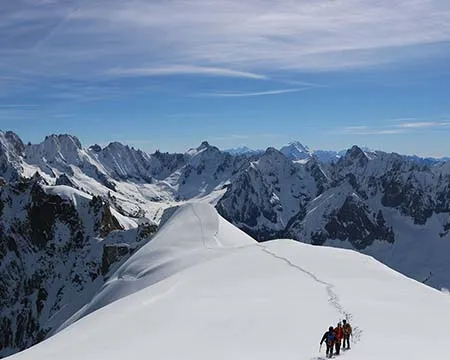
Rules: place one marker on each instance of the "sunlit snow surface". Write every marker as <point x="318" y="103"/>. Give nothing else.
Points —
<point x="202" y="289"/>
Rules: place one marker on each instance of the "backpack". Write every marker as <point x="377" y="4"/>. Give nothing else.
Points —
<point x="339" y="331"/>
<point x="347" y="329"/>
<point x="330" y="337"/>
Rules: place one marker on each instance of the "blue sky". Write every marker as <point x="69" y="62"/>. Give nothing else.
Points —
<point x="167" y="74"/>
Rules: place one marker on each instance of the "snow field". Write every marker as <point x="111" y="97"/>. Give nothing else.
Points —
<point x="202" y="289"/>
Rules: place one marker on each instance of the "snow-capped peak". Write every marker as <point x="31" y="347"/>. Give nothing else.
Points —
<point x="273" y="158"/>
<point x="56" y="148"/>
<point x="10" y="141"/>
<point x="296" y="151"/>
<point x="11" y="152"/>
<point x="203" y="147"/>
<point x="63" y="141"/>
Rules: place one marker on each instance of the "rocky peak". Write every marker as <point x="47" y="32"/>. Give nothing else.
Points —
<point x="62" y="149"/>
<point x="13" y="141"/>
<point x="203" y="145"/>
<point x="11" y="156"/>
<point x="115" y="146"/>
<point x="355" y="153"/>
<point x="354" y="157"/>
<point x="95" y="148"/>
<point x="63" y="141"/>
<point x="274" y="158"/>
<point x="207" y="148"/>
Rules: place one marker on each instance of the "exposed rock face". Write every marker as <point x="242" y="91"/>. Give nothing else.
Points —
<point x="354" y="222"/>
<point x="11" y="152"/>
<point x="105" y="221"/>
<point x="63" y="179"/>
<point x="51" y="254"/>
<point x="112" y="254"/>
<point x="250" y="206"/>
<point x="207" y="168"/>
<point x="267" y="195"/>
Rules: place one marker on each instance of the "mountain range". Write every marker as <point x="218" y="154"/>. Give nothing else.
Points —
<point x="72" y="215"/>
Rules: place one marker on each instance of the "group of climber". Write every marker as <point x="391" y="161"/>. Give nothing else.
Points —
<point x="334" y="336"/>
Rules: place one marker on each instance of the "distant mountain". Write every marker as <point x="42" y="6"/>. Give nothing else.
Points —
<point x="296" y="151"/>
<point x="327" y="156"/>
<point x="243" y="150"/>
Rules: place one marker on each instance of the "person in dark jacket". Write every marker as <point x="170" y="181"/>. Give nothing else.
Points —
<point x="329" y="337"/>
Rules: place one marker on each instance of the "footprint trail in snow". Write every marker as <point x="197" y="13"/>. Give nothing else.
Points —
<point x="333" y="298"/>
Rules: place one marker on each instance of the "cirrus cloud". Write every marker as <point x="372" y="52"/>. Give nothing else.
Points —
<point x="224" y="38"/>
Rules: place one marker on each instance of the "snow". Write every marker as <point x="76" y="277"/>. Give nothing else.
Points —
<point x="296" y="151"/>
<point x="170" y="251"/>
<point x="202" y="289"/>
<point x="68" y="193"/>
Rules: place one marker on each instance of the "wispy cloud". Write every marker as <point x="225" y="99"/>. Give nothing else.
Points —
<point x="184" y="70"/>
<point x="249" y="94"/>
<point x="367" y="130"/>
<point x="252" y="39"/>
<point x="423" y="124"/>
<point x="395" y="126"/>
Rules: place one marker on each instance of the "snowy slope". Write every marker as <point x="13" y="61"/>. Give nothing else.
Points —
<point x="231" y="298"/>
<point x="170" y="251"/>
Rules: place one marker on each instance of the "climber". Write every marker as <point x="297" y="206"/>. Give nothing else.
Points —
<point x="329" y="337"/>
<point x="339" y="333"/>
<point x="347" y="333"/>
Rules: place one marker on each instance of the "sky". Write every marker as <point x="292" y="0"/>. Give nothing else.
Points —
<point x="168" y="74"/>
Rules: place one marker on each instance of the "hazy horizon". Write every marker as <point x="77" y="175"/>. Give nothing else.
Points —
<point x="212" y="143"/>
